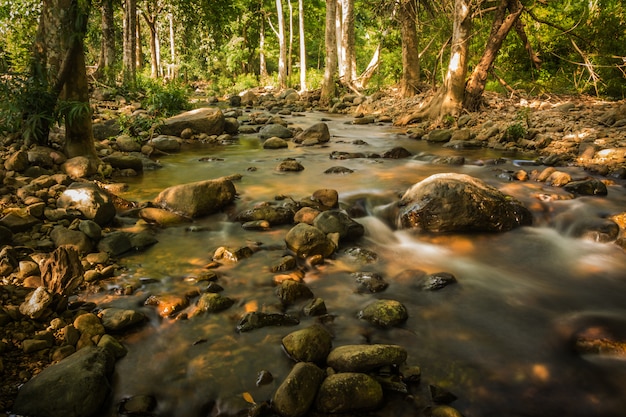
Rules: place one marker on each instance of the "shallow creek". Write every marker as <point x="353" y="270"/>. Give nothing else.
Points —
<point x="499" y="339"/>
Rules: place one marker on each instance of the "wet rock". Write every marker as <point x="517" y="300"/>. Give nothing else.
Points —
<point x="113" y="346"/>
<point x="138" y="405"/>
<point x="349" y="392"/>
<point x="365" y="358"/>
<point x="91" y="229"/>
<point x="17" y="161"/>
<point x="90" y="200"/>
<point x="290" y="291"/>
<point x="441" y="395"/>
<point x="434" y="282"/>
<point x="439" y="135"/>
<point x="445" y="411"/>
<point x="198" y="198"/>
<point x="312" y="344"/>
<point x="296" y="394"/>
<point x="90" y="328"/>
<point x="589" y="186"/>
<point x="595" y="229"/>
<point x="161" y="217"/>
<point x="255" y="320"/>
<point x="213" y="303"/>
<point x="261" y="225"/>
<point x="275" y="143"/>
<point x="369" y="282"/>
<point x="460" y="203"/>
<point x="316" y="307"/>
<point x="286" y="263"/>
<point x="338" y="170"/>
<point x="126" y="143"/>
<point x="306" y="240"/>
<point x="396" y="153"/>
<point x="289" y="165"/>
<point x="79" y="167"/>
<point x="125" y="162"/>
<point x="62" y="236"/>
<point x="313" y="135"/>
<point x="558" y="179"/>
<point x="275" y="215"/>
<point x="119" y="319"/>
<point x="361" y="255"/>
<point x="168" y="304"/>
<point x="208" y="120"/>
<point x="385" y="313"/>
<point x="75" y="387"/>
<point x="17" y="222"/>
<point x="232" y="255"/>
<point x="115" y="243"/>
<point x="275" y="130"/>
<point x="37" y="303"/>
<point x="166" y="143"/>
<point x="306" y="215"/>
<point x="326" y="198"/>
<point x="333" y="221"/>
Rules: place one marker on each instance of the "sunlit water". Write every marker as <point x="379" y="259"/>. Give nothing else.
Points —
<point x="499" y="339"/>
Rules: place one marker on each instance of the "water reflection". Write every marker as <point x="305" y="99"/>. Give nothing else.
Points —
<point x="500" y="339"/>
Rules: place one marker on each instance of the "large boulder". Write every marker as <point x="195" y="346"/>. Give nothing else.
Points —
<point x="306" y="240"/>
<point x="198" y="198"/>
<point x="459" y="203"/>
<point x="90" y="200"/>
<point x="296" y="394"/>
<point x="204" y="120"/>
<point x="318" y="133"/>
<point x="349" y="392"/>
<point x="75" y="387"/>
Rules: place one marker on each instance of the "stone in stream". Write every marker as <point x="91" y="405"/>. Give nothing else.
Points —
<point x="197" y="199"/>
<point x="275" y="143"/>
<point x="161" y="217"/>
<point x="290" y="291"/>
<point x="313" y="135"/>
<point x="365" y="358"/>
<point x="384" y="313"/>
<point x="275" y="215"/>
<point x="119" y="319"/>
<point x="434" y="282"/>
<point x="589" y="186"/>
<point x="459" y="203"/>
<point x="306" y="240"/>
<point x="213" y="303"/>
<point x="296" y="394"/>
<point x="312" y="344"/>
<point x="349" y="392"/>
<point x="255" y="320"/>
<point x="275" y="130"/>
<point x="75" y="387"/>
<point x="90" y="200"/>
<point x="369" y="282"/>
<point x="206" y="120"/>
<point x="289" y="165"/>
<point x="333" y="221"/>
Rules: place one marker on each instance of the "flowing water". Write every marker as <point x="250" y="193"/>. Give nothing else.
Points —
<point x="500" y="339"/>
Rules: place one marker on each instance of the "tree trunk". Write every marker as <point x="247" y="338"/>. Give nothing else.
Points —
<point x="410" y="53"/>
<point x="282" y="42"/>
<point x="171" y="69"/>
<point x="290" y="50"/>
<point x="328" y="84"/>
<point x="262" y="63"/>
<point x="302" y="46"/>
<point x="106" y="62"/>
<point x="338" y="36"/>
<point x="154" y="59"/>
<point x="130" y="41"/>
<point x="347" y="42"/>
<point x="499" y="30"/>
<point x="449" y="98"/>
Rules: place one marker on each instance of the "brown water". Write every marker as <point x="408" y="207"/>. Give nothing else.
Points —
<point x="499" y="339"/>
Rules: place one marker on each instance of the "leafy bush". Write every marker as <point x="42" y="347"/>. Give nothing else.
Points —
<point x="166" y="99"/>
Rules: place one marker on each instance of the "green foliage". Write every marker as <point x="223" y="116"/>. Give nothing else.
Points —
<point x="134" y="125"/>
<point x="164" y="99"/>
<point x="515" y="132"/>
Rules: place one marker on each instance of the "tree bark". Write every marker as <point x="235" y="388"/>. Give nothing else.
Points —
<point x="500" y="28"/>
<point x="282" y="42"/>
<point x="130" y="42"/>
<point x="302" y="46"/>
<point x="347" y="42"/>
<point x="330" y="68"/>
<point x="262" y="63"/>
<point x="410" y="53"/>
<point x="106" y="62"/>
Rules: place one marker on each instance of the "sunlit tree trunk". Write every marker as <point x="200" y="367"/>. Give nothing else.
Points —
<point x="282" y="42"/>
<point x="410" y="53"/>
<point x="347" y="42"/>
<point x="262" y="62"/>
<point x="171" y="72"/>
<point x="150" y="15"/>
<point x="290" y="51"/>
<point x="59" y="63"/>
<point x="302" y="46"/>
<point x="106" y="61"/>
<point x="328" y="84"/>
<point x="138" y="45"/>
<point x="338" y="36"/>
<point x="500" y="28"/>
<point x="130" y="41"/>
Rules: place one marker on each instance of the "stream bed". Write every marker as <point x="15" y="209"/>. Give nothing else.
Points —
<point x="500" y="339"/>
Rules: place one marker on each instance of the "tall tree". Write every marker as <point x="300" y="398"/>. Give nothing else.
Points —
<point x="130" y="41"/>
<point x="106" y="61"/>
<point x="347" y="51"/>
<point x="151" y="12"/>
<point x="330" y="67"/>
<point x="410" y="54"/>
<point x="302" y="46"/>
<point x="59" y="65"/>
<point x="282" y="45"/>
<point x="502" y="24"/>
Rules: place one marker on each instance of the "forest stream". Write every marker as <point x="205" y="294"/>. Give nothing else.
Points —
<point x="500" y="339"/>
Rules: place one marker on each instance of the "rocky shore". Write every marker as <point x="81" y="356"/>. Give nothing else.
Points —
<point x="59" y="232"/>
